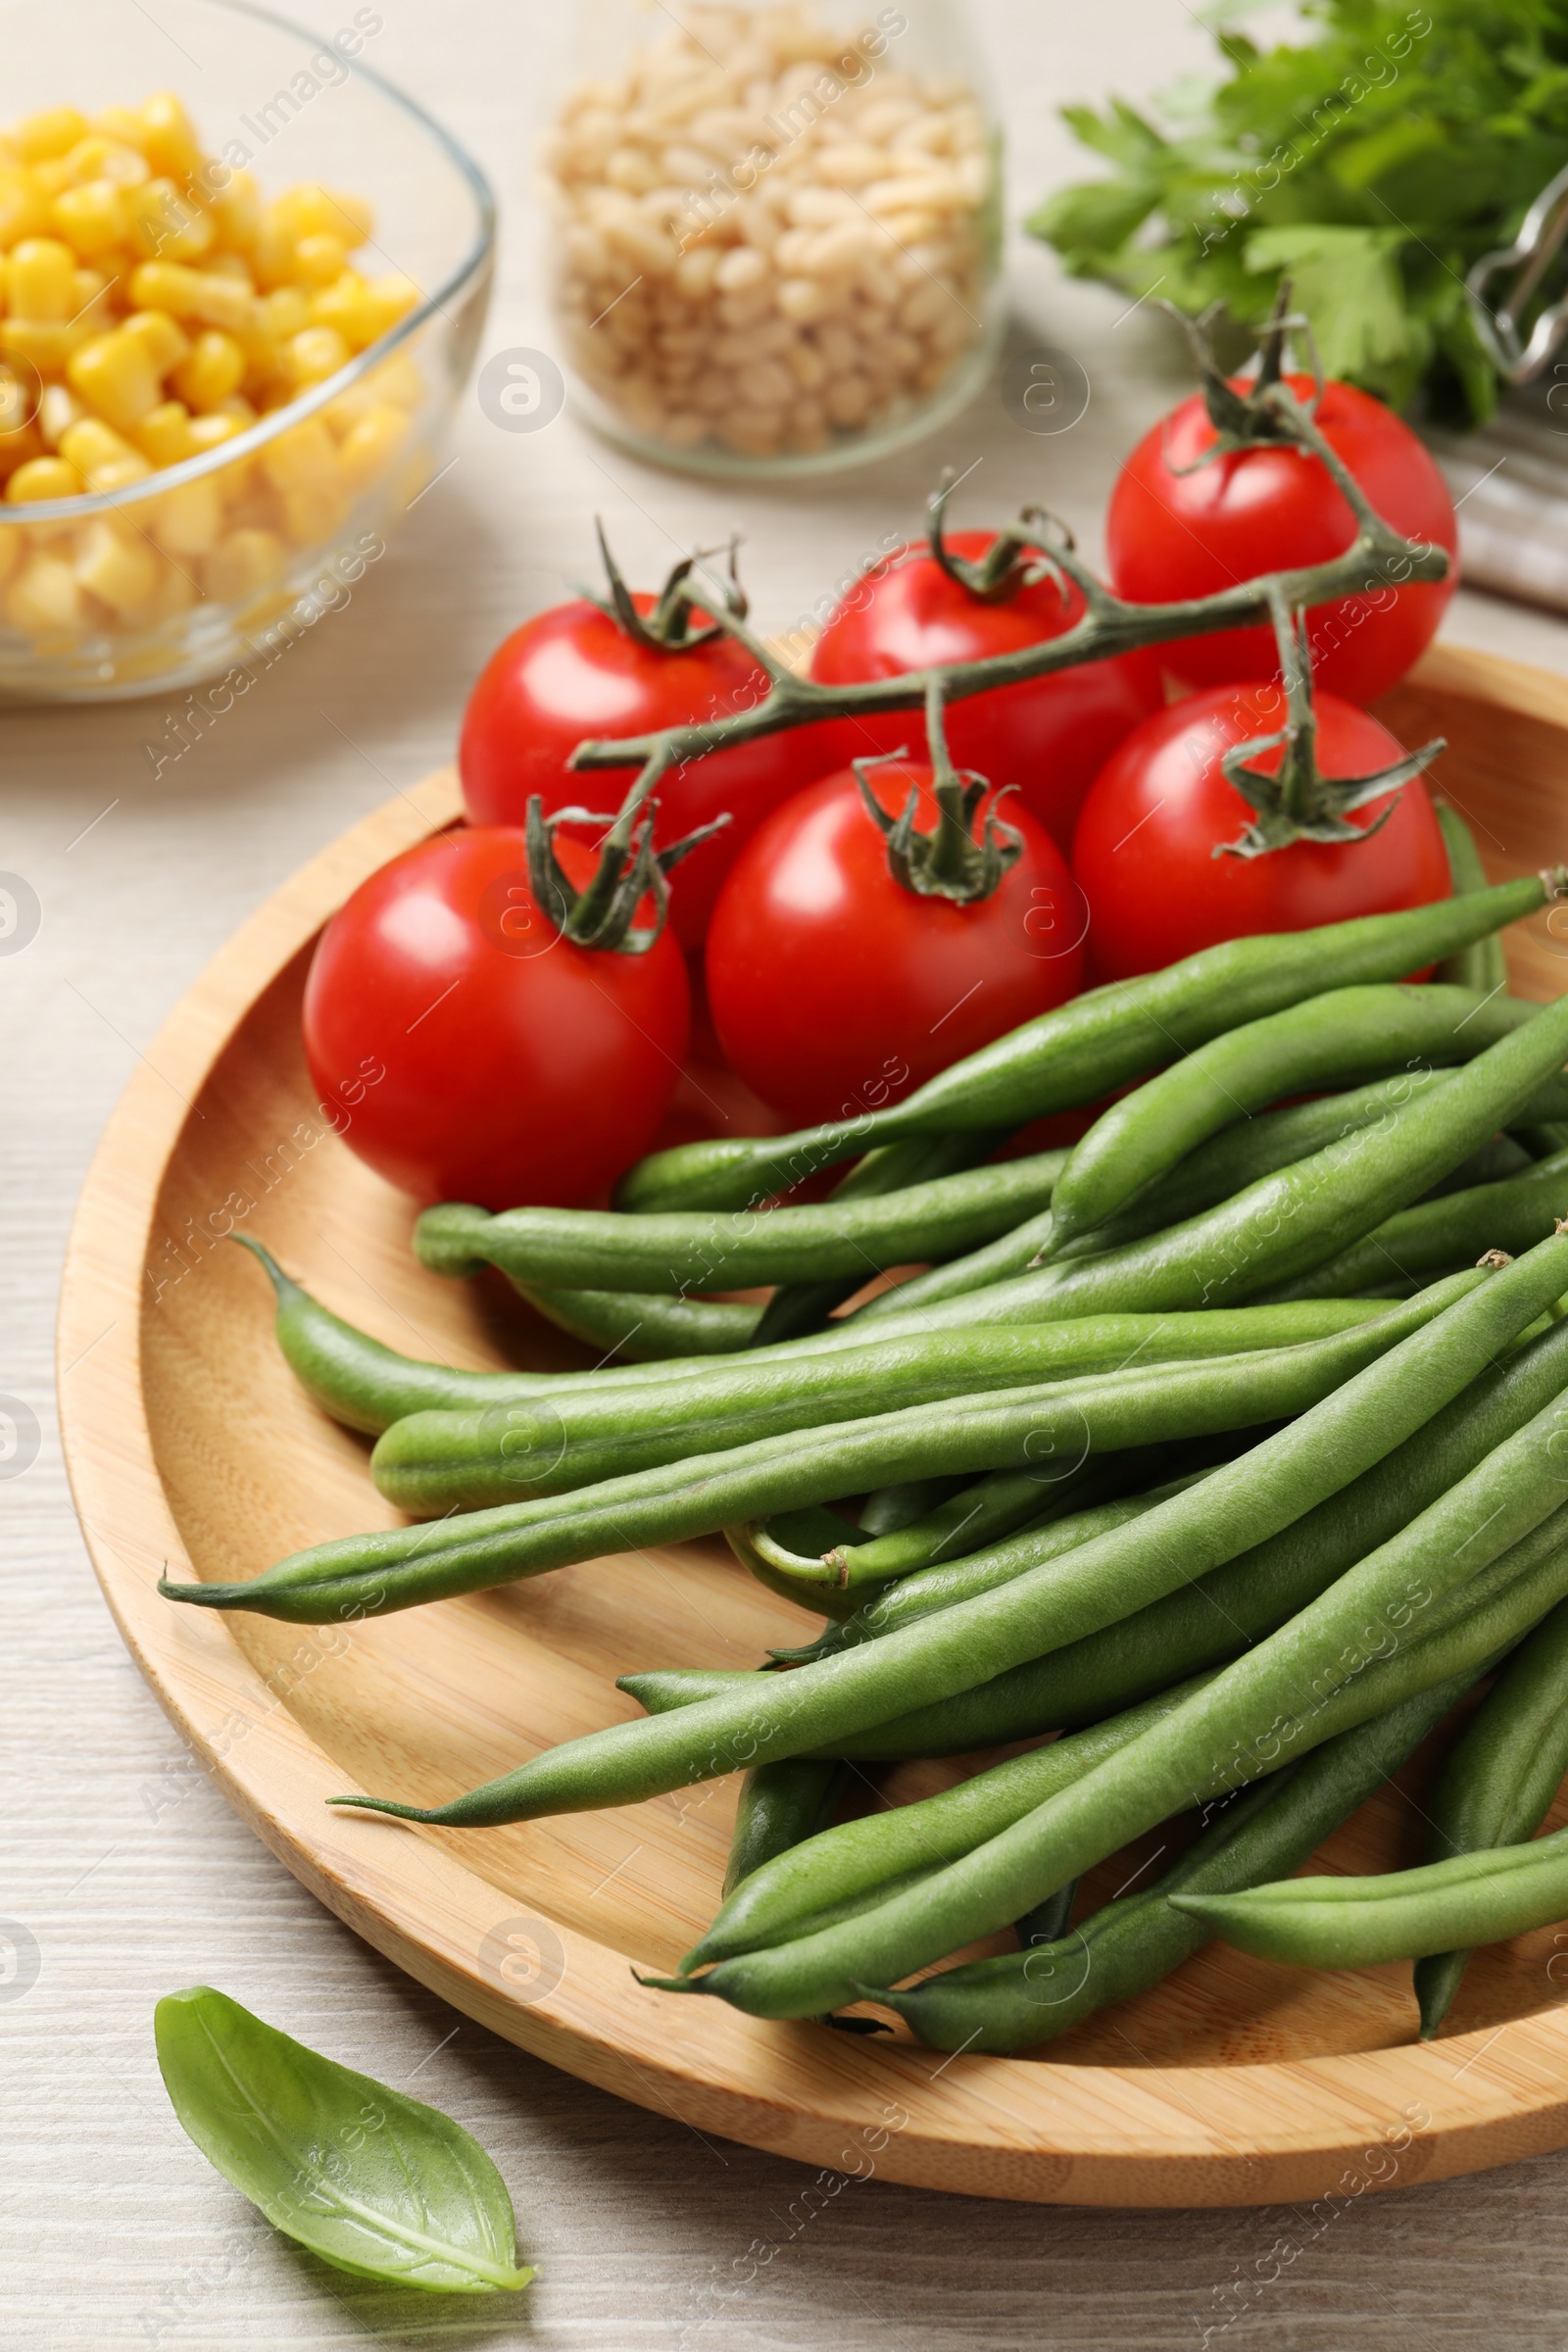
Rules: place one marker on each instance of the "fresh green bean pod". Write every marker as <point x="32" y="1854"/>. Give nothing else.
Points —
<point x="1482" y="965"/>
<point x="1345" y="1036"/>
<point x="797" y="1307"/>
<point x="430" y="1463"/>
<point x="1204" y="1623"/>
<point x="393" y="1568"/>
<point x="1340" y="1662"/>
<point x="1498" y="1160"/>
<point x="944" y="1583"/>
<point x="1021" y="1999"/>
<point x="781" y="1805"/>
<point x="1098" y="1042"/>
<point x="1435" y="1234"/>
<point x="814" y="1706"/>
<point x="1287" y="1224"/>
<point x="1226" y="1164"/>
<point x="1400" y="1915"/>
<point x="640" y="1327"/>
<point x="1498" y="1782"/>
<point x="842" y="1869"/>
<point x="697" y="1250"/>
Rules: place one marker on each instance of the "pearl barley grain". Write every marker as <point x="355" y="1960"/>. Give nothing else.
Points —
<point x="768" y="233"/>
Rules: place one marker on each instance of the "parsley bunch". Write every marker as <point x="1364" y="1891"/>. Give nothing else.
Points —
<point x="1371" y="167"/>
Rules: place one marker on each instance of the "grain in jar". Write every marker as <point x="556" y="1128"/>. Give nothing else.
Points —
<point x="772" y="239"/>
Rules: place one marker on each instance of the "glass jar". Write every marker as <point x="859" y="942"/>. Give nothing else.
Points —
<point x="774" y="229"/>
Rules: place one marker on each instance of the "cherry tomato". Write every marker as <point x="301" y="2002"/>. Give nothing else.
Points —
<point x="1176" y="528"/>
<point x="1143" y="856"/>
<point x="518" y="1067"/>
<point x="575" y="671"/>
<point x="833" y="988"/>
<point x="1049" y="736"/>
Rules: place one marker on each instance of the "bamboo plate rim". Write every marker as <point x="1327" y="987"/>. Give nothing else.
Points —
<point x="1030" y="2130"/>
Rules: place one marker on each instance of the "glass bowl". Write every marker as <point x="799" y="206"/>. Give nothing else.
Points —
<point x="219" y="562"/>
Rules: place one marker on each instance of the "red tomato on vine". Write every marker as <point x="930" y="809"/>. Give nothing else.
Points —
<point x="961" y="598"/>
<point x="519" y="1066"/>
<point x="836" y="986"/>
<point x="630" y="666"/>
<point x="1150" y="852"/>
<point x="1183" y="523"/>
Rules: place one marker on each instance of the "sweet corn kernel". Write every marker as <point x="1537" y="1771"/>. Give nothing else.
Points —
<point x="91" y="217"/>
<point x="102" y="157"/>
<point x="10" y="553"/>
<point x="116" y="565"/>
<point x="242" y="564"/>
<point x="207" y="295"/>
<point x="371" y="445"/>
<point x="44" y="478"/>
<point x="175" y="593"/>
<point x="346" y="305"/>
<point x="230" y="265"/>
<point x="271" y="253"/>
<point x="214" y="367"/>
<point x="235" y="403"/>
<point x="312" y="211"/>
<point x="187" y="521"/>
<point x="59" y="409"/>
<point x="305" y="457"/>
<point x="171" y="143"/>
<point x="156" y="335"/>
<point x="41" y="278"/>
<point x="42" y="136"/>
<point x="390" y="298"/>
<point x="166" y="224"/>
<point x="24" y="207"/>
<point x="90" y="443"/>
<point x="46" y="346"/>
<point x="237" y="212"/>
<point x="315" y="354"/>
<point x="285" y="313"/>
<point x="116" y="377"/>
<point x="211" y="432"/>
<point x="164" y="434"/>
<point x="45" y="599"/>
<point x="311" y="516"/>
<point x="123" y="124"/>
<point x="319" y="260"/>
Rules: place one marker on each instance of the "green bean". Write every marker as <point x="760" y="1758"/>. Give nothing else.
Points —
<point x="892" y="1507"/>
<point x="1481" y="965"/>
<point x="697" y="1249"/>
<point x="813" y="1706"/>
<point x="1400" y="1915"/>
<point x="1205" y="1622"/>
<point x="1098" y="1042"/>
<point x="1341" y="1662"/>
<point x="392" y="1568"/>
<point x="1021" y="1999"/>
<point x="840" y="1869"/>
<point x="781" y="1805"/>
<point x="1498" y="1782"/>
<point x="1287" y="1224"/>
<point x="642" y="1327"/>
<point x="1498" y="1159"/>
<point x="1345" y="1035"/>
<point x="1427" y="1240"/>
<point x="944" y="1583"/>
<point x="800" y="1307"/>
<point x="1227" y="1164"/>
<point x="431" y="1462"/>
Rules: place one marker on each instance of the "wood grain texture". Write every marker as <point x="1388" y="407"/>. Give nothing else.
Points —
<point x="189" y="1445"/>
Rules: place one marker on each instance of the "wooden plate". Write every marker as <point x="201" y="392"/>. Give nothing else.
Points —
<point x="189" y="1446"/>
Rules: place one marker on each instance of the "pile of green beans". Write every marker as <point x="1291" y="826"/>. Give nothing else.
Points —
<point x="1021" y="1999"/>
<point x="1167" y="1458"/>
<point x="813" y="1706"/>
<point x="1098" y="1042"/>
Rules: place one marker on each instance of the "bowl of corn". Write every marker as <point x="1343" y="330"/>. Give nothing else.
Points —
<point x="228" y="350"/>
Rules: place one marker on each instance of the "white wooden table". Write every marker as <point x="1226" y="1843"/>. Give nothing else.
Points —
<point x="119" y="1858"/>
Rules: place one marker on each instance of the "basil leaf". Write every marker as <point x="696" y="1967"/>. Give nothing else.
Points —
<point x="374" y="2182"/>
